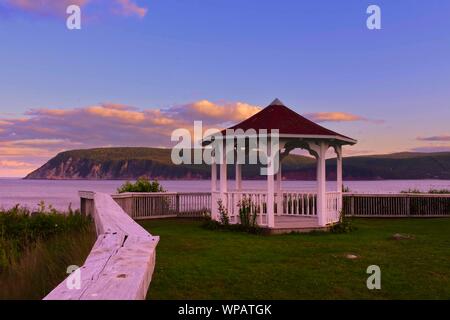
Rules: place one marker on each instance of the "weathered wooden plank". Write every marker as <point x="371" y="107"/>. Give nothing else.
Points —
<point x="121" y="262"/>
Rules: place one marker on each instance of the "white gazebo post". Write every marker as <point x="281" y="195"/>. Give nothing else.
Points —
<point x="223" y="175"/>
<point x="339" y="186"/>
<point x="213" y="174"/>
<point x="214" y="199"/>
<point x="278" y="190"/>
<point x="321" y="149"/>
<point x="238" y="176"/>
<point x="270" y="187"/>
<point x="223" y="178"/>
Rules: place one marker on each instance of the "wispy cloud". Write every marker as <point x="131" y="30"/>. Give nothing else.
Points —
<point x="41" y="133"/>
<point x="58" y="7"/>
<point x="45" y="7"/>
<point x="15" y="164"/>
<point x="337" y="117"/>
<point x="431" y="149"/>
<point x="216" y="113"/>
<point x="435" y="138"/>
<point x="129" y="8"/>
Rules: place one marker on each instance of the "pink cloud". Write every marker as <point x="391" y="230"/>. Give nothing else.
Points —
<point x="333" y="116"/>
<point x="431" y="149"/>
<point x="58" y="7"/>
<point x="435" y="138"/>
<point x="216" y="113"/>
<point x="337" y="116"/>
<point x="129" y="8"/>
<point x="15" y="164"/>
<point x="41" y="133"/>
<point x="46" y="7"/>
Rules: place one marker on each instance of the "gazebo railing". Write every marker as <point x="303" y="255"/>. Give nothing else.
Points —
<point x="298" y="203"/>
<point x="302" y="204"/>
<point x="334" y="206"/>
<point x="258" y="204"/>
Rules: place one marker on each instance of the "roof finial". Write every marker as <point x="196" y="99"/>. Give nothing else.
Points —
<point x="277" y="102"/>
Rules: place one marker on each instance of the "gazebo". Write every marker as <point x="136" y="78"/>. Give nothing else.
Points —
<point x="275" y="208"/>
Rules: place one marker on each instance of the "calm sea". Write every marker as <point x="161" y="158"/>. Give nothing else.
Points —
<point x="62" y="193"/>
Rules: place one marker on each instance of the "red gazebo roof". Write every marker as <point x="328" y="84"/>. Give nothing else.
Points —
<point x="288" y="122"/>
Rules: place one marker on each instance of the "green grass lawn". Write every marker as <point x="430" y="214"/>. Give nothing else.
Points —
<point x="195" y="263"/>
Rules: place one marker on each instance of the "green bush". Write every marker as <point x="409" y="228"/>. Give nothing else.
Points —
<point x="431" y="191"/>
<point x="246" y="214"/>
<point x="216" y="225"/>
<point x="224" y="219"/>
<point x="143" y="184"/>
<point x="439" y="191"/>
<point x="345" y="225"/>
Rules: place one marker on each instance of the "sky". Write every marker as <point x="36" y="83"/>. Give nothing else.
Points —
<point x="138" y="69"/>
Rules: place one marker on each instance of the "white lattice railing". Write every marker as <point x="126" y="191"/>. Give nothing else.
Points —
<point x="298" y="203"/>
<point x="232" y="200"/>
<point x="333" y="206"/>
<point x="288" y="203"/>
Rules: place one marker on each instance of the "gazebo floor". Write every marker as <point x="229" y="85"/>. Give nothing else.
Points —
<point x="287" y="224"/>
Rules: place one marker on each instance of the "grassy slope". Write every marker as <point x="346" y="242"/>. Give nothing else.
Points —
<point x="35" y="250"/>
<point x="44" y="266"/>
<point x="194" y="263"/>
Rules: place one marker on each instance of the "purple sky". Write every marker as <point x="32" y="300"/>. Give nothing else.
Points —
<point x="139" y="69"/>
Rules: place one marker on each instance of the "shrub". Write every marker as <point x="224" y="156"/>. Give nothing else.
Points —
<point x="439" y="191"/>
<point x="431" y="191"/>
<point x="411" y="191"/>
<point x="345" y="224"/>
<point x="246" y="214"/>
<point x="143" y="184"/>
<point x="216" y="225"/>
<point x="224" y="220"/>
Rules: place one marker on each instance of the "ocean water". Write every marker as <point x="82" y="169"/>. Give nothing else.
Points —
<point x="61" y="193"/>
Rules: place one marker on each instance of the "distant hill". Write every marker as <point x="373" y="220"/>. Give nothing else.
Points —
<point x="131" y="163"/>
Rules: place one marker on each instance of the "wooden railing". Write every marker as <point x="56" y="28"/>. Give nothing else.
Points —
<point x="148" y="205"/>
<point x="121" y="263"/>
<point x="397" y="205"/>
<point x="157" y="205"/>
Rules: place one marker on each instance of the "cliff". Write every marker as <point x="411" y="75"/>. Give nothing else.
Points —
<point x="131" y="163"/>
